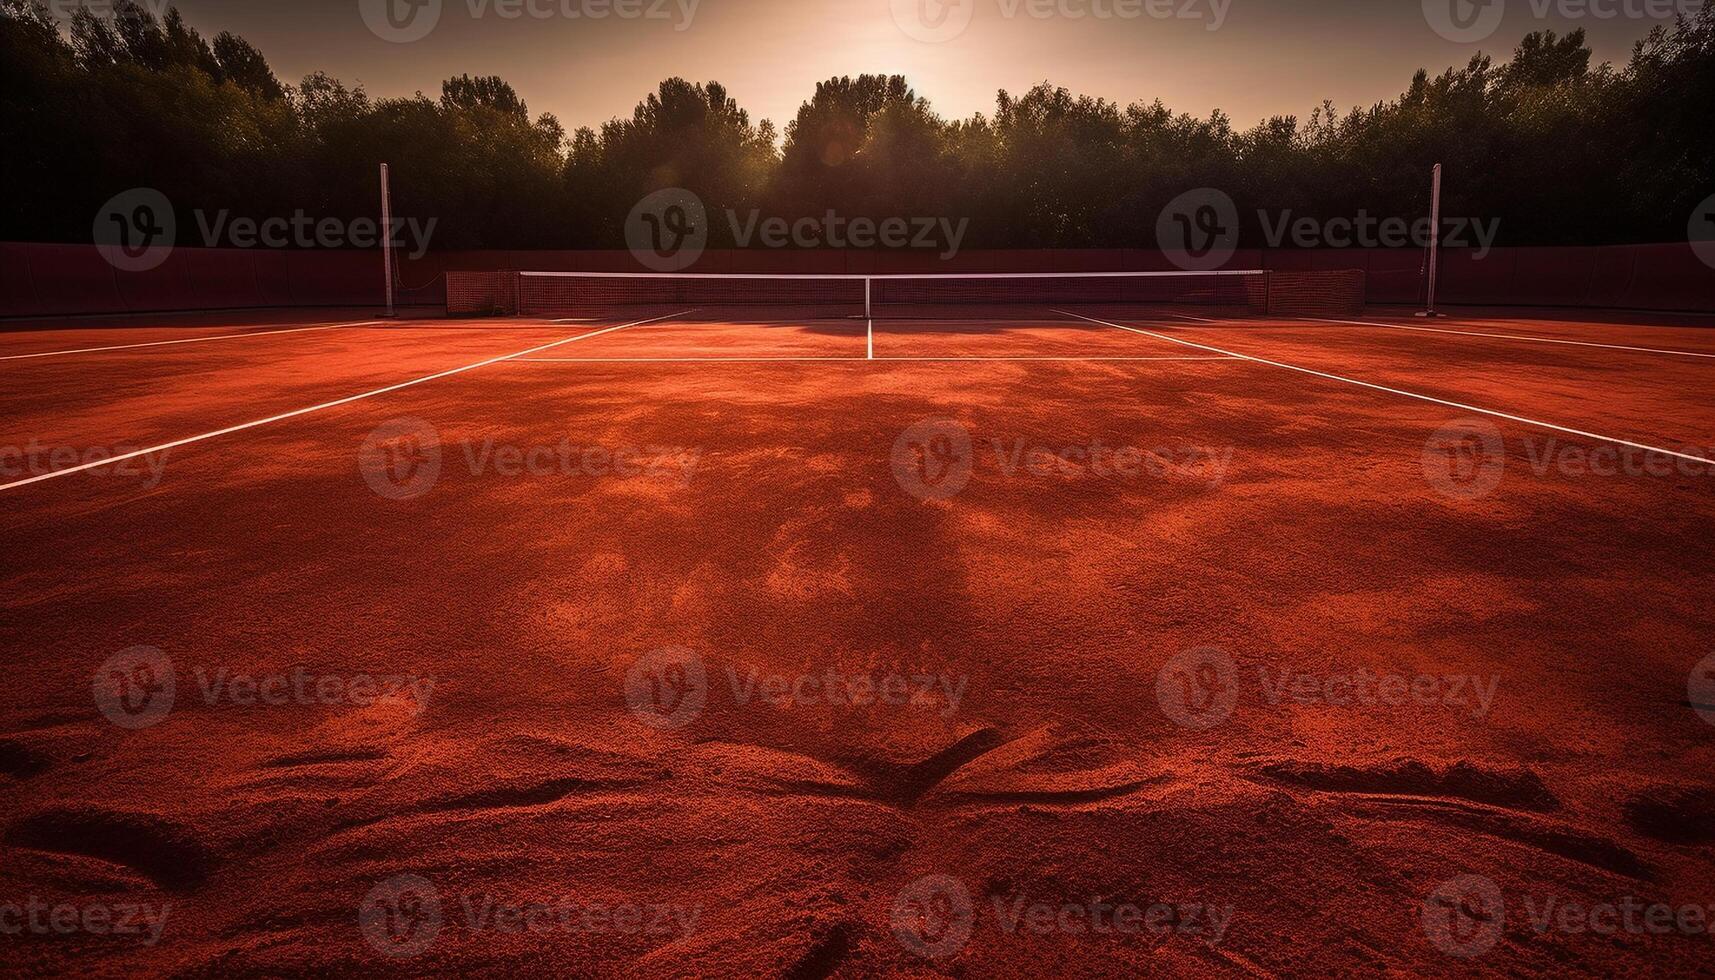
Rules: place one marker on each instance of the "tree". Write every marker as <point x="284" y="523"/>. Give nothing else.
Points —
<point x="1559" y="149"/>
<point x="242" y="65"/>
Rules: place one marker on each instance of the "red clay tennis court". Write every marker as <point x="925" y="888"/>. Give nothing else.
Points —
<point x="747" y="623"/>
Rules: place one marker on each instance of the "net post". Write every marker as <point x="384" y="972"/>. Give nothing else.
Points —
<point x="387" y="238"/>
<point x="1434" y="242"/>
<point x="868" y="314"/>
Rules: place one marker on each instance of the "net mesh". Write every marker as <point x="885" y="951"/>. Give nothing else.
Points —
<point x="1000" y="296"/>
<point x="710" y="297"/>
<point x="482" y="293"/>
<point x="990" y="296"/>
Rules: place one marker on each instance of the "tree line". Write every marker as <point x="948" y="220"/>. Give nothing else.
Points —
<point x="1559" y="150"/>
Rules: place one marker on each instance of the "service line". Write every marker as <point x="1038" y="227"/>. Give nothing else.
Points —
<point x="163" y="447"/>
<point x="1403" y="393"/>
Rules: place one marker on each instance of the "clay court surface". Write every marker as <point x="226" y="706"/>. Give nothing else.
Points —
<point x="1130" y="569"/>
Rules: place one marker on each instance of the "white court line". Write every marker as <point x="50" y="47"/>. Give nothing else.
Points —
<point x="1409" y="394"/>
<point x="792" y="358"/>
<point x="870" y="333"/>
<point x="163" y="447"/>
<point x="1511" y="336"/>
<point x="187" y="340"/>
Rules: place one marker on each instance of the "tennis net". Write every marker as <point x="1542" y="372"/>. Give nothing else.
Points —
<point x="988" y="296"/>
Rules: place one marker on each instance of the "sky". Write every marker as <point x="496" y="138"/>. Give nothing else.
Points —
<point x="1250" y="58"/>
